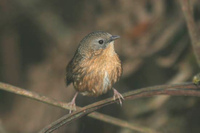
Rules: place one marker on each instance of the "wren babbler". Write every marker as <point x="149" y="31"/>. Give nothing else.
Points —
<point x="95" y="66"/>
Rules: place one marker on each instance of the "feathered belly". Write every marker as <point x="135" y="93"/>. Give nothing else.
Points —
<point x="97" y="76"/>
<point x="97" y="85"/>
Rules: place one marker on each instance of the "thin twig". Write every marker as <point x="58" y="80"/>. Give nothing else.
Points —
<point x="184" y="89"/>
<point x="50" y="101"/>
<point x="193" y="29"/>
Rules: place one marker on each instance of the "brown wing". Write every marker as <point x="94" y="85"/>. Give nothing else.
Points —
<point x="73" y="64"/>
<point x="69" y="74"/>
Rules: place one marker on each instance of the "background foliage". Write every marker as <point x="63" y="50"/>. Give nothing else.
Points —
<point x="38" y="38"/>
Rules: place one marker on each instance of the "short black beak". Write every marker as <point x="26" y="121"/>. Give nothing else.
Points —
<point x="114" y="37"/>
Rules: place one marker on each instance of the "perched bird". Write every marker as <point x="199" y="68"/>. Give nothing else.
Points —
<point x="95" y="66"/>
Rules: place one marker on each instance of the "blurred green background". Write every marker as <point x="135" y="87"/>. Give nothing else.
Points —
<point x="38" y="39"/>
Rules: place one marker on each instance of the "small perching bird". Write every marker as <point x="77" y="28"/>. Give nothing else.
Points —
<point x="95" y="66"/>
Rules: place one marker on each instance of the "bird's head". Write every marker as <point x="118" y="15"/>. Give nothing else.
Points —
<point x="96" y="41"/>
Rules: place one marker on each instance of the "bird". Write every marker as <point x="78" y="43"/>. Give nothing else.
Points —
<point x="95" y="67"/>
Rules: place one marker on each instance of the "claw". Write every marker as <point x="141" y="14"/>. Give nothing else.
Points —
<point x="118" y="96"/>
<point x="72" y="106"/>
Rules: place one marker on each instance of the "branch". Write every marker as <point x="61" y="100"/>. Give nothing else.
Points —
<point x="193" y="29"/>
<point x="184" y="89"/>
<point x="50" y="101"/>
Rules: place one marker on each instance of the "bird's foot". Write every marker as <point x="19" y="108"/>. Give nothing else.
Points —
<point x="72" y="104"/>
<point x="117" y="95"/>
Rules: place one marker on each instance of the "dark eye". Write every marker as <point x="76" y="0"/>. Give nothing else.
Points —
<point x="100" y="41"/>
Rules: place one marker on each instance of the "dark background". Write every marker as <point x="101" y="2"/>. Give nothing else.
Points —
<point x="38" y="38"/>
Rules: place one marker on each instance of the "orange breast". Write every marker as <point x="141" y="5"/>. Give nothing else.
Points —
<point x="98" y="74"/>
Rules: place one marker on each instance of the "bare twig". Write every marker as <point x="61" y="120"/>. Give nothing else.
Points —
<point x="184" y="89"/>
<point x="193" y="29"/>
<point x="50" y="101"/>
<point x="183" y="74"/>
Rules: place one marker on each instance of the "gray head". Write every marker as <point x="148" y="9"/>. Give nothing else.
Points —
<point x="95" y="41"/>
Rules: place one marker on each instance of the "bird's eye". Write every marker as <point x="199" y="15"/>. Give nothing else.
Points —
<point x="100" y="41"/>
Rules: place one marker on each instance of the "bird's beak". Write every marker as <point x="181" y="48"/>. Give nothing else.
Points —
<point x="114" y="37"/>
